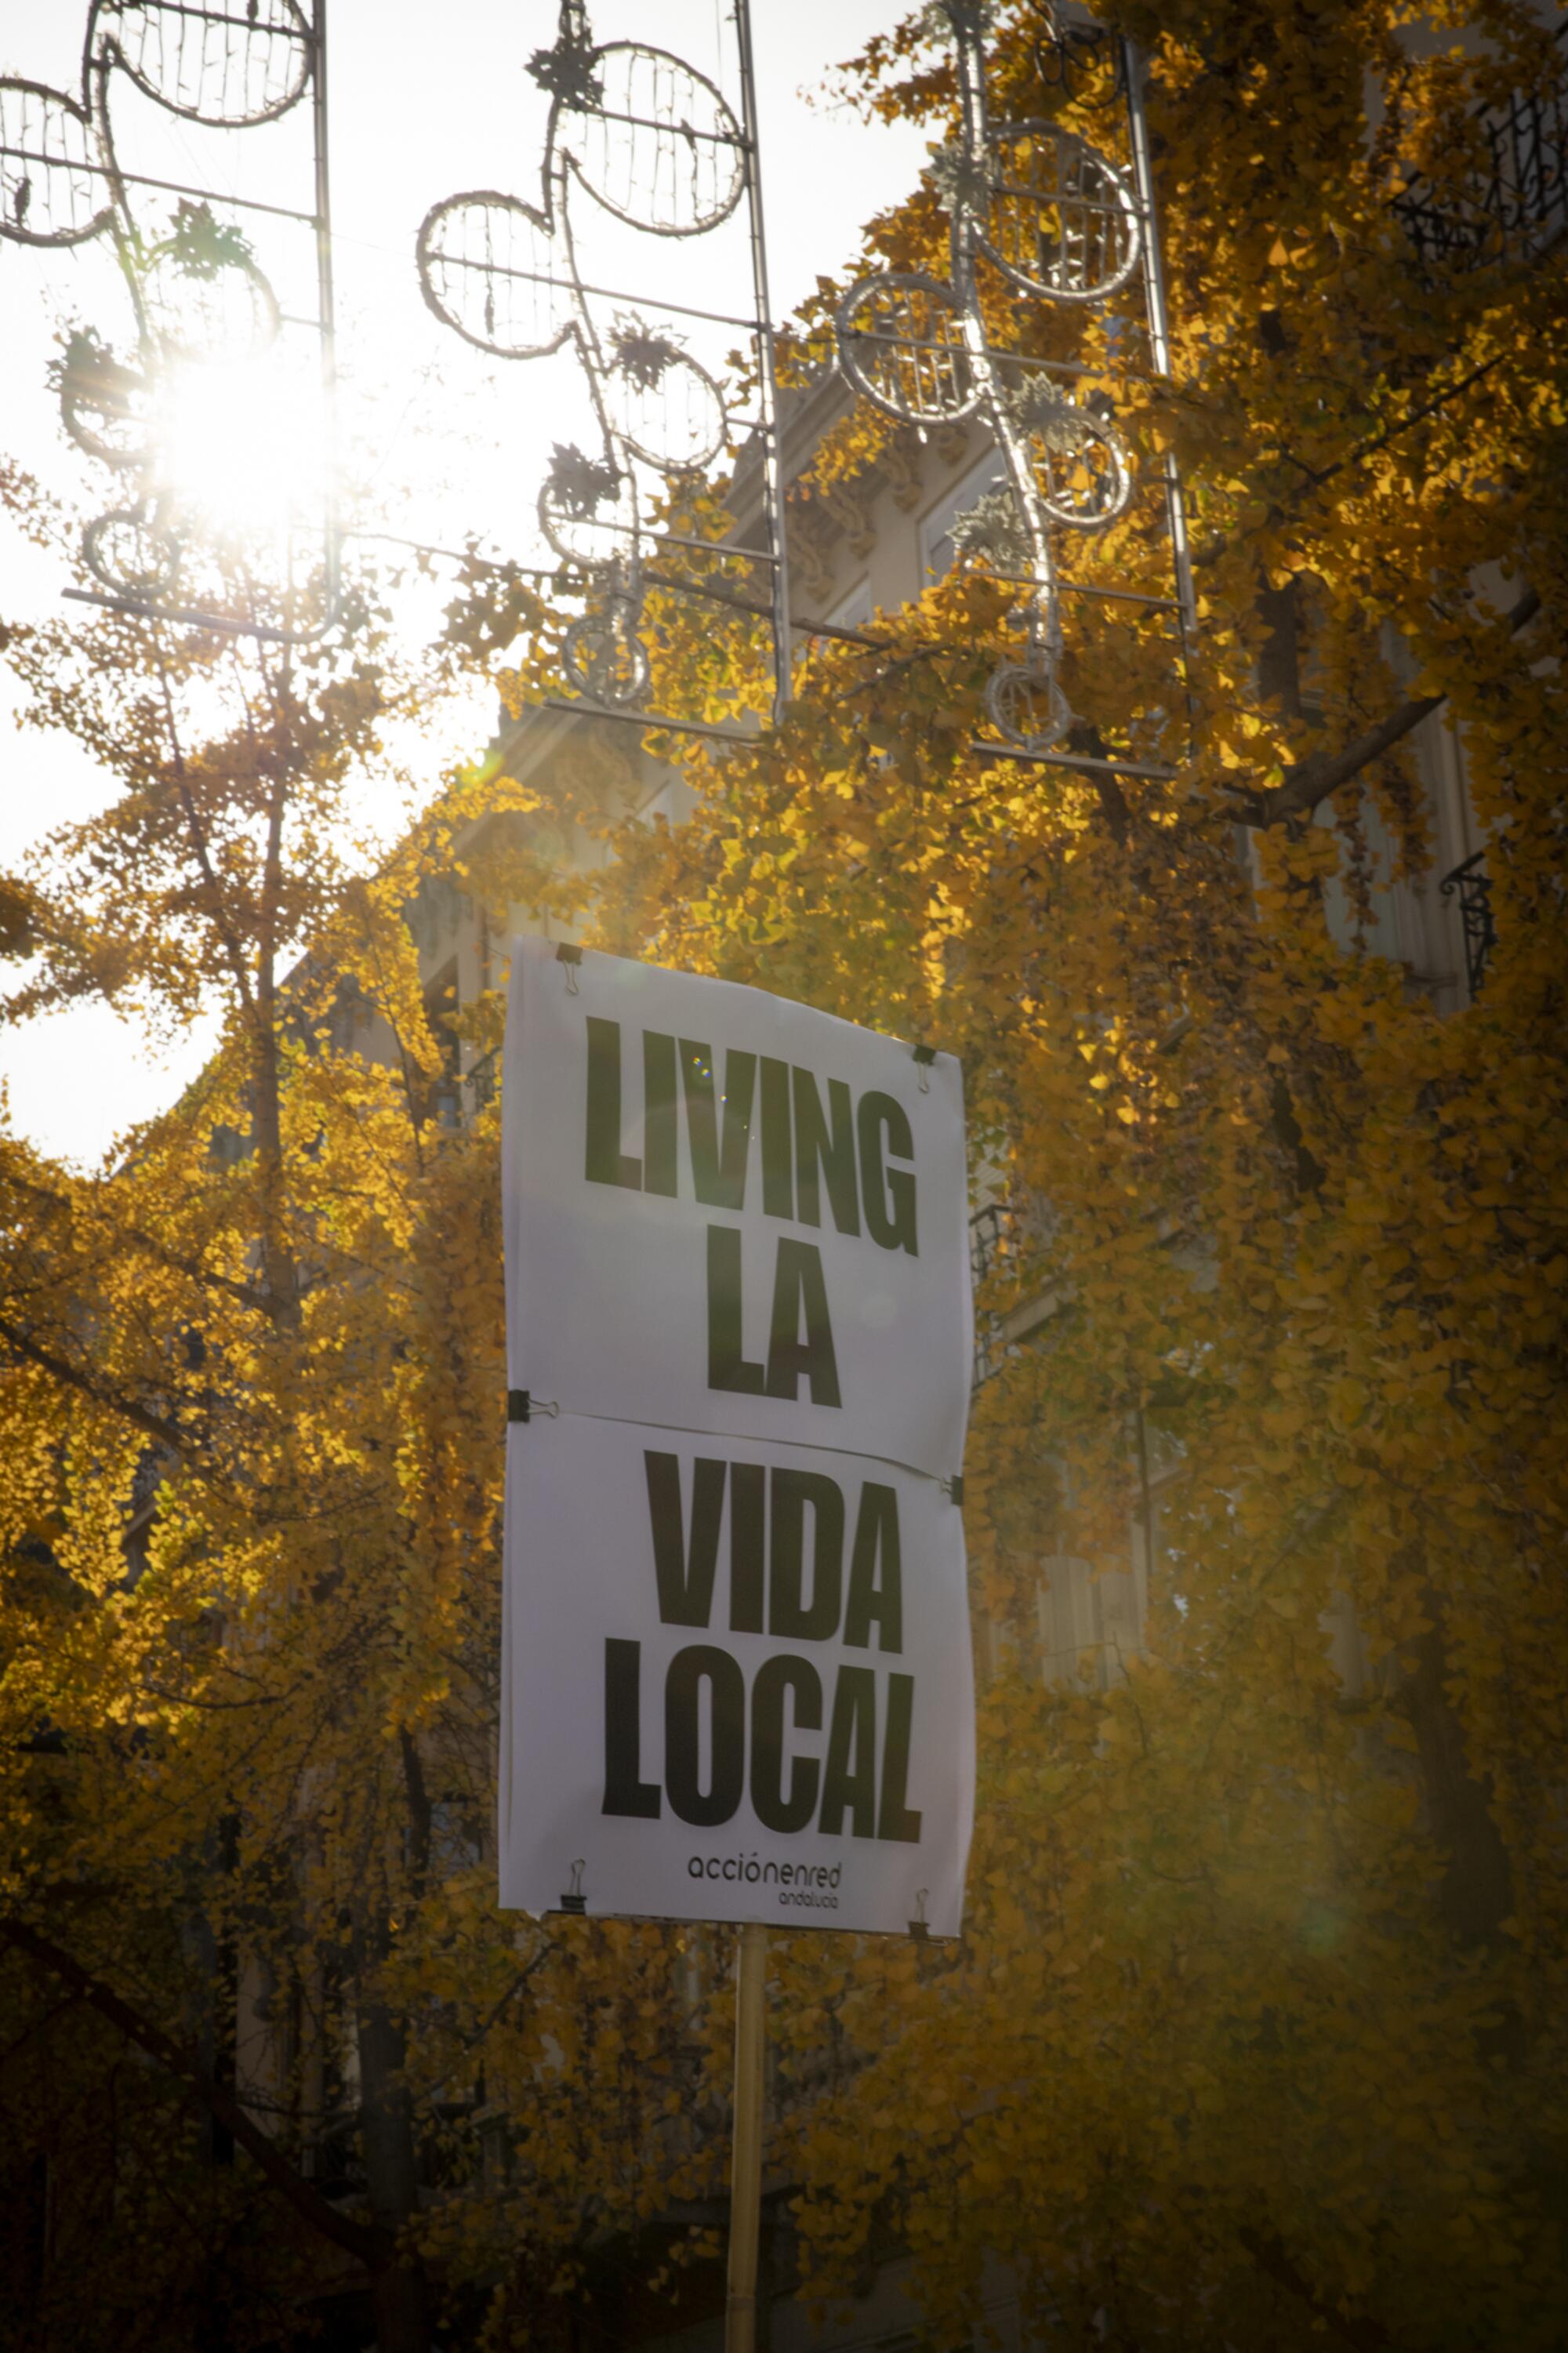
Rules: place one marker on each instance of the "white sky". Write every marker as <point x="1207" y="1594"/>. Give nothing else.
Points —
<point x="425" y="101"/>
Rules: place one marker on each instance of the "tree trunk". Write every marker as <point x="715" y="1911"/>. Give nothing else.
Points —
<point x="399" y="2292"/>
<point x="1476" y="1893"/>
<point x="400" y="2306"/>
<point x="218" y="2046"/>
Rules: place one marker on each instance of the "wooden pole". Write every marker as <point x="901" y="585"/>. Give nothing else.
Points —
<point x="746" y="2165"/>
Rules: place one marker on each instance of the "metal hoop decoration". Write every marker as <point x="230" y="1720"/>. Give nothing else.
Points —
<point x="587" y="509"/>
<point x="902" y="343"/>
<point x="1062" y="221"/>
<point x="486" y="270"/>
<point x="225" y="311"/>
<point x="1025" y="702"/>
<point x="231" y="63"/>
<point x="1064" y="53"/>
<point x="604" y="657"/>
<point x="198" y="294"/>
<point x="1057" y="220"/>
<point x="130" y="555"/>
<point x="666" y="409"/>
<point x="49" y="187"/>
<point x="683" y="168"/>
<point x="100" y="405"/>
<point x="1082" y="472"/>
<point x="658" y="146"/>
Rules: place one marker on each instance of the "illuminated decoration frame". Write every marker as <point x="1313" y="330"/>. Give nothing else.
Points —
<point x="657" y="145"/>
<point x="1052" y="219"/>
<point x="198" y="294"/>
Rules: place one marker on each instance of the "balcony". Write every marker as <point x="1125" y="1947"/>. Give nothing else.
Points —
<point x="1000" y="1231"/>
<point x="485" y="1078"/>
<point x="1511" y="209"/>
<point x="1471" y="886"/>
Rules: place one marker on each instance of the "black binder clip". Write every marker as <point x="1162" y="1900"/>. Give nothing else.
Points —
<point x="918" y="1929"/>
<point x="522" y="1405"/>
<point x="574" y="1900"/>
<point x="565" y="954"/>
<point x="924" y="1057"/>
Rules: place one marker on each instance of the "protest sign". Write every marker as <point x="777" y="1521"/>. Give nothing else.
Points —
<point x="738" y="1683"/>
<point x="726" y="1212"/>
<point x="737" y="1677"/>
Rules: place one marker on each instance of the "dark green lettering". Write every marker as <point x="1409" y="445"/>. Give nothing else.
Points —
<point x="685" y="1577"/>
<point x="830" y="1148"/>
<point x="870" y="1602"/>
<point x="689" y="1670"/>
<point x="778" y="1176"/>
<point x="790" y="1615"/>
<point x="727" y="1368"/>
<point x="887" y="1194"/>
<point x="748" y="1515"/>
<point x="624" y="1793"/>
<point x="773" y="1808"/>
<point x="849" y="1776"/>
<point x="799" y="1289"/>
<point x="719" y="1152"/>
<point x="897" y="1821"/>
<point x="659" y="1113"/>
<point x="604" y="1162"/>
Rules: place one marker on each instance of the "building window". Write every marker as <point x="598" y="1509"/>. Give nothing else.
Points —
<point x="852" y="609"/>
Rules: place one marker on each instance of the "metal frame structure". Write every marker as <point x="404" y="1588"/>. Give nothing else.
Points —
<point x="1516" y="208"/>
<point x="657" y="145"/>
<point x="1470" y="884"/>
<point x="1037" y="210"/>
<point x="198" y="294"/>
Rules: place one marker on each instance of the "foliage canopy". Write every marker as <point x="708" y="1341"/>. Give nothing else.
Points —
<point x="1257" y="2026"/>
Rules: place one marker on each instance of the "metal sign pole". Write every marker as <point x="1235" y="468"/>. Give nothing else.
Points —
<point x="746" y="2163"/>
<point x="773" y="484"/>
<point x="326" y="311"/>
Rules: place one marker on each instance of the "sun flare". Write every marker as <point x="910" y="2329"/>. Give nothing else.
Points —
<point x="243" y="446"/>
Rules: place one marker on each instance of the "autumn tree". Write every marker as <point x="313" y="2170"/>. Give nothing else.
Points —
<point x="266" y="2040"/>
<point x="1255" y="2033"/>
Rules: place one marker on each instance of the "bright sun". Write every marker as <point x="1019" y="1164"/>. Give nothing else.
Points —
<point x="243" y="445"/>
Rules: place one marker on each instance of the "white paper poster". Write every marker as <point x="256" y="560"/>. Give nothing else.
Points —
<point x="727" y="1212"/>
<point x="736" y="1676"/>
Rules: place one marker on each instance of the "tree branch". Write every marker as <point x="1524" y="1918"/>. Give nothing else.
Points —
<point x="226" y="930"/>
<point x="361" y="2239"/>
<point x="245" y="1294"/>
<point x="1318" y="476"/>
<point x="1313" y="780"/>
<point x="155" y="1425"/>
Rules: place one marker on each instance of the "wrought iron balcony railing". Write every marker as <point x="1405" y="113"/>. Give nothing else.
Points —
<point x="987" y="1228"/>
<point x="1471" y="885"/>
<point x="485" y="1078"/>
<point x="1512" y="209"/>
